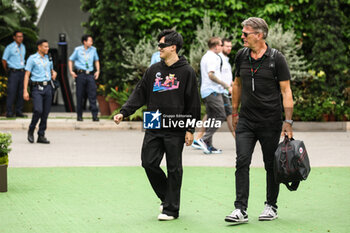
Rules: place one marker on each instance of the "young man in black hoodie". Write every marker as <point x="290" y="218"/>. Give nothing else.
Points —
<point x="168" y="87"/>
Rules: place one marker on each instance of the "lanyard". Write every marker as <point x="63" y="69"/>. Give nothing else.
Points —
<point x="86" y="59"/>
<point x="254" y="71"/>
<point x="44" y="65"/>
<point x="20" y="53"/>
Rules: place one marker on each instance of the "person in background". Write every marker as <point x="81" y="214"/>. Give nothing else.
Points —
<point x="40" y="71"/>
<point x="226" y="75"/>
<point x="13" y="61"/>
<point x="84" y="57"/>
<point x="155" y="58"/>
<point x="212" y="87"/>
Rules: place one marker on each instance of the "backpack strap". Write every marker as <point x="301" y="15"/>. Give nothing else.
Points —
<point x="272" y="64"/>
<point x="293" y="186"/>
<point x="239" y="53"/>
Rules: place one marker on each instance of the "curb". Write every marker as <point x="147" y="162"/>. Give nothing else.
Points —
<point x="103" y="124"/>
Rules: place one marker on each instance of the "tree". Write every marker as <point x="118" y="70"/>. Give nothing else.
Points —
<point x="18" y="15"/>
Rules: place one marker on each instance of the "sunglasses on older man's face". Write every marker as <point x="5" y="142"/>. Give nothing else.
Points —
<point x="164" y="45"/>
<point x="246" y="34"/>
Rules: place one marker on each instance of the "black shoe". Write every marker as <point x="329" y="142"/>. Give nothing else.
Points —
<point x="95" y="118"/>
<point x="30" y="136"/>
<point x="79" y="118"/>
<point x="21" y="115"/>
<point x="42" y="139"/>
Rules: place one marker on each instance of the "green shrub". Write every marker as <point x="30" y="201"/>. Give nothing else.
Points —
<point x="5" y="142"/>
<point x="204" y="32"/>
<point x="285" y="42"/>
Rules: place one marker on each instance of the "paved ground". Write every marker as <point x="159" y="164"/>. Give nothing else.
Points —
<point x="103" y="143"/>
<point x="70" y="148"/>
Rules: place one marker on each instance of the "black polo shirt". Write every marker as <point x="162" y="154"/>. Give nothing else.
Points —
<point x="264" y="103"/>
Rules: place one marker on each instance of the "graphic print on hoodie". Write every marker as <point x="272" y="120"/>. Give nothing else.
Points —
<point x="169" y="83"/>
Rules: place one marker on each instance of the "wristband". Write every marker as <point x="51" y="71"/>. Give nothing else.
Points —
<point x="235" y="114"/>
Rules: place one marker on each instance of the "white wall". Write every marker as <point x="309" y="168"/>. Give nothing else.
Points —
<point x="63" y="16"/>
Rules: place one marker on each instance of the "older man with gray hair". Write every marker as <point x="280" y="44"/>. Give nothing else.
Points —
<point x="262" y="74"/>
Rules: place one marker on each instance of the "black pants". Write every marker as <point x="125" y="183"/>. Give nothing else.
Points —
<point x="85" y="83"/>
<point x="42" y="104"/>
<point x="168" y="187"/>
<point x="247" y="134"/>
<point x="15" y="92"/>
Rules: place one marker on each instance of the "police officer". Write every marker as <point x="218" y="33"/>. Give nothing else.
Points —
<point x="13" y="61"/>
<point x="41" y="70"/>
<point x="84" y="57"/>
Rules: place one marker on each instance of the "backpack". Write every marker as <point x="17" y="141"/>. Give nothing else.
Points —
<point x="291" y="163"/>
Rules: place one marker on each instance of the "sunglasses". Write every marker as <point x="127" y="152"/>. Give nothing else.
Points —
<point x="246" y="34"/>
<point x="164" y="45"/>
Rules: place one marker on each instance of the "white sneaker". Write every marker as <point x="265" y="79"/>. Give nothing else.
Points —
<point x="196" y="145"/>
<point x="268" y="214"/>
<point x="165" y="217"/>
<point x="237" y="216"/>
<point x="203" y="146"/>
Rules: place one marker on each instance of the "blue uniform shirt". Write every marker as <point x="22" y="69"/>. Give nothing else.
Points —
<point x="14" y="55"/>
<point x="155" y="57"/>
<point x="84" y="59"/>
<point x="40" y="67"/>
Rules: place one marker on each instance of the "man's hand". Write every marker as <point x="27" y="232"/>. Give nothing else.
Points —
<point x="53" y="74"/>
<point x="287" y="130"/>
<point x="96" y="75"/>
<point x="118" y="118"/>
<point x="74" y="75"/>
<point x="25" y="95"/>
<point x="234" y="121"/>
<point x="188" y="138"/>
<point x="230" y="90"/>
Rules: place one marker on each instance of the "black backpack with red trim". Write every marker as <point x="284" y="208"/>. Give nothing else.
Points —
<point x="292" y="163"/>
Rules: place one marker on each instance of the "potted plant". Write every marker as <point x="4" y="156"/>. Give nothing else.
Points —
<point x="5" y="142"/>
<point x="101" y="99"/>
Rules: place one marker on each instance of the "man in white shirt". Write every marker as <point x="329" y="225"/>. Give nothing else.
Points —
<point x="226" y="74"/>
<point x="212" y="87"/>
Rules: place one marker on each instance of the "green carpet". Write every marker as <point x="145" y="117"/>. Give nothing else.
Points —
<point x="120" y="199"/>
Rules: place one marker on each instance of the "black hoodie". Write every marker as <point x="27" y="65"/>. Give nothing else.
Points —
<point x="170" y="89"/>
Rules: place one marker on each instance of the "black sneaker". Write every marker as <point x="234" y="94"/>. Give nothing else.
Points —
<point x="79" y="118"/>
<point x="237" y="216"/>
<point x="30" y="136"/>
<point x="95" y="118"/>
<point x="42" y="139"/>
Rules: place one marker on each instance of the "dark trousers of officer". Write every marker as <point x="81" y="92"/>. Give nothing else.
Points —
<point x="166" y="188"/>
<point x="15" y="92"/>
<point x="215" y="108"/>
<point x="85" y="83"/>
<point x="42" y="104"/>
<point x="247" y="134"/>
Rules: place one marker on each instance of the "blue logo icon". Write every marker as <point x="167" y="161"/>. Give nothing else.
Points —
<point x="151" y="120"/>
